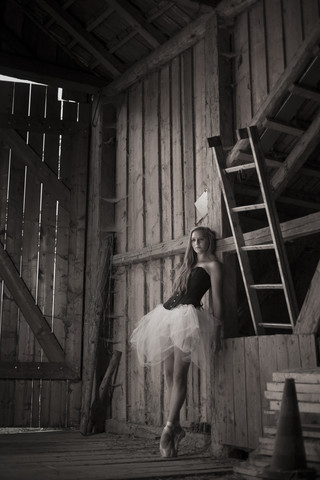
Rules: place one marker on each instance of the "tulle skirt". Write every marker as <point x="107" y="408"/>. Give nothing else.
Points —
<point x="161" y="330"/>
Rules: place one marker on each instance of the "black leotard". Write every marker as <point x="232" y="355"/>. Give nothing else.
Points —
<point x="198" y="284"/>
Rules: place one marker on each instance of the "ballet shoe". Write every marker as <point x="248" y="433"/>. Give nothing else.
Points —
<point x="178" y="435"/>
<point x="166" y="443"/>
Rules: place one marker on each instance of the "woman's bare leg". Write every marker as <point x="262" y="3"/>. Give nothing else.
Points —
<point x="168" y="370"/>
<point x="179" y="385"/>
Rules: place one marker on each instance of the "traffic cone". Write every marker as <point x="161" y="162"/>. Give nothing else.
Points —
<point x="289" y="457"/>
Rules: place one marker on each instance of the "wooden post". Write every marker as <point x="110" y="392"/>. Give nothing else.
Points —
<point x="99" y="248"/>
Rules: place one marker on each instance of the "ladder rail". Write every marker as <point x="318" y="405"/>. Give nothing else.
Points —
<point x="274" y="224"/>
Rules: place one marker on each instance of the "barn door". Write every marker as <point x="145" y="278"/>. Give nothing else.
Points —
<point x="43" y="172"/>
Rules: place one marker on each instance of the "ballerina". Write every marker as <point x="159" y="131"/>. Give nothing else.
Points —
<point x="179" y="331"/>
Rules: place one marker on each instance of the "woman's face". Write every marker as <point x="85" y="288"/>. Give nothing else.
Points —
<point x="199" y="242"/>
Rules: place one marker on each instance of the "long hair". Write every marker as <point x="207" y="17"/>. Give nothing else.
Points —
<point x="190" y="257"/>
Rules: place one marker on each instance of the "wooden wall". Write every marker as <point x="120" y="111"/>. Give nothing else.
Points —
<point x="162" y="168"/>
<point x="44" y="235"/>
<point x="266" y="38"/>
<point x="161" y="171"/>
<point x="241" y="372"/>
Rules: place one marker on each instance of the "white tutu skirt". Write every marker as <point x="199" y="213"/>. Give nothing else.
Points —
<point x="185" y="327"/>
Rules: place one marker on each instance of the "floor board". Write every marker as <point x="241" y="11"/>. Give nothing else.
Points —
<point x="71" y="456"/>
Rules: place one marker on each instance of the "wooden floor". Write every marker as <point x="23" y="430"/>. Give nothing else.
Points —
<point x="71" y="456"/>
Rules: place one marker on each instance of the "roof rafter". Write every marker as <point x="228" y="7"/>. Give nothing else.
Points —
<point x="83" y="37"/>
<point x="137" y="22"/>
<point x="187" y="37"/>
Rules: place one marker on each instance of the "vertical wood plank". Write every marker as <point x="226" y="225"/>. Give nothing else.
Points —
<point x="240" y="391"/>
<point x="136" y="310"/>
<point x="243" y="106"/>
<point x="293" y="350"/>
<point x="76" y="259"/>
<point x="310" y="12"/>
<point x="136" y="239"/>
<point x="177" y="172"/>
<point x="53" y="112"/>
<point x="168" y="275"/>
<point x="229" y="391"/>
<point x="308" y="351"/>
<point x="23" y="389"/>
<point x="258" y="56"/>
<point x="201" y="171"/>
<point x="120" y="395"/>
<point x="292" y="27"/>
<point x="6" y="386"/>
<point x="153" y="213"/>
<point x="53" y="261"/>
<point x="187" y="115"/>
<point x="253" y="388"/>
<point x="165" y="155"/>
<point x="166" y="199"/>
<point x="275" y="40"/>
<point x="268" y="365"/>
<point x="120" y="335"/>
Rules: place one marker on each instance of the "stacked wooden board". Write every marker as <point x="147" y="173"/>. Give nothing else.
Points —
<point x="307" y="382"/>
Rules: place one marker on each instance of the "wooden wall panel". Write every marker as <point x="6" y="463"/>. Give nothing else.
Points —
<point x="161" y="170"/>
<point x="266" y="38"/>
<point x="242" y="371"/>
<point x="46" y="245"/>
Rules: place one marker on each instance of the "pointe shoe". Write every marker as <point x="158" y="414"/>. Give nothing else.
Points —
<point x="166" y="442"/>
<point x="178" y="435"/>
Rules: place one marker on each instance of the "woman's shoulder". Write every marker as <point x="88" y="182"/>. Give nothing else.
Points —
<point x="214" y="266"/>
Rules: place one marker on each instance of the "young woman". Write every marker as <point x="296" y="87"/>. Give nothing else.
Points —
<point x="180" y="331"/>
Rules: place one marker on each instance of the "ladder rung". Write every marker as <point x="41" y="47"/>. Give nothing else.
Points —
<point x="267" y="286"/>
<point x="244" y="166"/>
<point x="276" y="325"/>
<point x="268" y="246"/>
<point x="248" y="157"/>
<point x="283" y="127"/>
<point x="246" y="208"/>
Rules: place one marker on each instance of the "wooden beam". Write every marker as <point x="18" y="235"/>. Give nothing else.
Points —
<point x="42" y="125"/>
<point x="49" y="74"/>
<point x="131" y="15"/>
<point x="299" y="62"/>
<point x="292" y="229"/>
<point x="197" y="7"/>
<point x="97" y="20"/>
<point x="29" y="309"/>
<point x="190" y="35"/>
<point x="33" y="370"/>
<point x="85" y="39"/>
<point x="271" y="163"/>
<point x="28" y="156"/>
<point x="309" y="318"/>
<point x="256" y="192"/>
<point x="297" y="157"/>
<point x="231" y="8"/>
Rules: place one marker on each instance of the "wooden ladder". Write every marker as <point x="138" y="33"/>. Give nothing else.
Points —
<point x="277" y="244"/>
